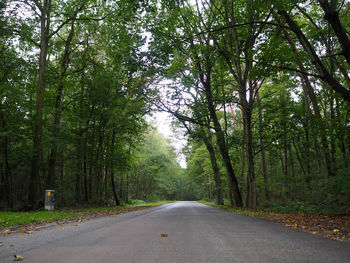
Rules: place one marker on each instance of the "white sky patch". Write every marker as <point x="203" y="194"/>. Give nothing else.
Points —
<point x="162" y="120"/>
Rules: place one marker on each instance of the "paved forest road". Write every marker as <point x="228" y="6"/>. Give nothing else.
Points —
<point x="196" y="233"/>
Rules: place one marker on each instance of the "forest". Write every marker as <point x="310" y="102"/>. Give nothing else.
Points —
<point x="260" y="89"/>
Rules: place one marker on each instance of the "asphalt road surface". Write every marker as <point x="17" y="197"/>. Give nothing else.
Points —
<point x="196" y="233"/>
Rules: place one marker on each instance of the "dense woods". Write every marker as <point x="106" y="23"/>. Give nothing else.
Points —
<point x="260" y="88"/>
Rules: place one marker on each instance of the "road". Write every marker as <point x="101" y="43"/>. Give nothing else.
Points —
<point x="196" y="233"/>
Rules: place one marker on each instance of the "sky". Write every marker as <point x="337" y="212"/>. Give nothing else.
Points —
<point x="162" y="121"/>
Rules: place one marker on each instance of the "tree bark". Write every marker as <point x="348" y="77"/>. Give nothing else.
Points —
<point x="251" y="193"/>
<point x="116" y="199"/>
<point x="217" y="176"/>
<point x="220" y="137"/>
<point x="262" y="146"/>
<point x="34" y="180"/>
<point x="58" y="111"/>
<point x="6" y="167"/>
<point x="79" y="169"/>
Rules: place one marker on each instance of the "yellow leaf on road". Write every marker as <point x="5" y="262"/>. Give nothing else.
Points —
<point x="17" y="258"/>
<point x="163" y="235"/>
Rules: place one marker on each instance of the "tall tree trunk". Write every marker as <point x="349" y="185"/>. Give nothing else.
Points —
<point x="220" y="137"/>
<point x="308" y="89"/>
<point x="58" y="110"/>
<point x="262" y="147"/>
<point x="291" y="161"/>
<point x="98" y="172"/>
<point x="79" y="169"/>
<point x="116" y="199"/>
<point x="247" y="127"/>
<point x="127" y="188"/>
<point x="7" y="170"/>
<point x="85" y="173"/>
<point x="217" y="176"/>
<point x="34" y="184"/>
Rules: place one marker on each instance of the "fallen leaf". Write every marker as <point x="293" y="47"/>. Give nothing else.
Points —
<point x="163" y="235"/>
<point x="17" y="258"/>
<point x="6" y="231"/>
<point x="1" y="244"/>
<point x="11" y="245"/>
<point x="315" y="232"/>
<point x="62" y="228"/>
<point x="29" y="232"/>
<point x="79" y="221"/>
<point x="22" y="230"/>
<point x="335" y="230"/>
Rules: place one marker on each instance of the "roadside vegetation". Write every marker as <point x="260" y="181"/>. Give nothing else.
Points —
<point x="15" y="221"/>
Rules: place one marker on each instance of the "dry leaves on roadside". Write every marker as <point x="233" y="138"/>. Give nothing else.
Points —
<point x="334" y="227"/>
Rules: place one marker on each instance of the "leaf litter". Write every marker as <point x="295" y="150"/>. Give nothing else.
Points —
<point x="333" y="227"/>
<point x="336" y="227"/>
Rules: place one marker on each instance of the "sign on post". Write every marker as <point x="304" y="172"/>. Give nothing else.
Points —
<point x="49" y="200"/>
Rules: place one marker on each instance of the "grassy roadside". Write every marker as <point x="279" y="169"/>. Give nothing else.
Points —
<point x="234" y="209"/>
<point x="333" y="227"/>
<point x="14" y="219"/>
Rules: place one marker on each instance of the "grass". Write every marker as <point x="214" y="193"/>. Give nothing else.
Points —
<point x="11" y="219"/>
<point x="234" y="209"/>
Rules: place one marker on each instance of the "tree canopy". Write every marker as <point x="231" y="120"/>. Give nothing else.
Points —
<point x="261" y="88"/>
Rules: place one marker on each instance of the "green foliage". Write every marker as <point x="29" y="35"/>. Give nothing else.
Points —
<point x="101" y="81"/>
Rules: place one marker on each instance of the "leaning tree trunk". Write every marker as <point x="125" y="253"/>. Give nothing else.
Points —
<point x="220" y="137"/>
<point x="308" y="89"/>
<point x="215" y="167"/>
